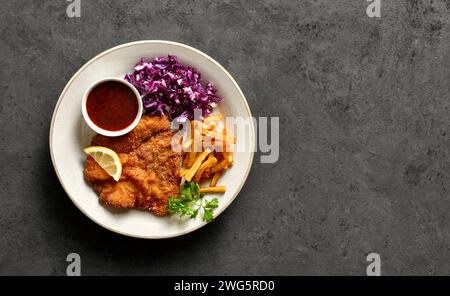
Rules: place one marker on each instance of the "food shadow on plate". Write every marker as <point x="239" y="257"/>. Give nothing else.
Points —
<point x="85" y="133"/>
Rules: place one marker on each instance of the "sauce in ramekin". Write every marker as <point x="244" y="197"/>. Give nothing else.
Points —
<point x="112" y="106"/>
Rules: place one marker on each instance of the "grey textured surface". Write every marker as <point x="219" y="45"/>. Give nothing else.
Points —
<point x="364" y="111"/>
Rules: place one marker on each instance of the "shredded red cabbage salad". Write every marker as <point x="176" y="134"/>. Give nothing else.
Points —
<point x="168" y="87"/>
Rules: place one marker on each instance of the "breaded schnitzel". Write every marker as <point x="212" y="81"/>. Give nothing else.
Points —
<point x="150" y="168"/>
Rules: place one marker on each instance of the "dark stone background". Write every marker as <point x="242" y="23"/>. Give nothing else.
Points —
<point x="364" y="112"/>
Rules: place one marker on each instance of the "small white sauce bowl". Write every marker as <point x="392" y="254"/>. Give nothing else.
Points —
<point x="100" y="130"/>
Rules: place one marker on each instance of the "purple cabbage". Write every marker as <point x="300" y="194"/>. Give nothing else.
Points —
<point x="168" y="87"/>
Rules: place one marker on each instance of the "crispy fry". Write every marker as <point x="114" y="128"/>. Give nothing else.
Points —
<point x="206" y="176"/>
<point x="218" y="189"/>
<point x="220" y="137"/>
<point x="209" y="126"/>
<point x="215" y="179"/>
<point x="215" y="117"/>
<point x="202" y="126"/>
<point x="186" y="159"/>
<point x="192" y="128"/>
<point x="223" y="164"/>
<point x="215" y="140"/>
<point x="183" y="172"/>
<point x="208" y="163"/>
<point x="217" y="146"/>
<point x="228" y="156"/>
<point x="191" y="158"/>
<point x="226" y="133"/>
<point x="220" y="126"/>
<point x="197" y="141"/>
<point x="197" y="163"/>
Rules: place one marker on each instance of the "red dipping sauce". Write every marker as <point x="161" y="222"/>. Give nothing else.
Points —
<point x="112" y="106"/>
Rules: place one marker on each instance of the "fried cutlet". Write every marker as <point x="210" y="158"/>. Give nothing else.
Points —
<point x="150" y="168"/>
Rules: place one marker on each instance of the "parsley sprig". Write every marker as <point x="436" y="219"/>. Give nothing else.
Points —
<point x="191" y="201"/>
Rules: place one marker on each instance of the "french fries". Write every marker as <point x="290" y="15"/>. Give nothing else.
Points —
<point x="209" y="153"/>
<point x="191" y="156"/>
<point x="197" y="140"/>
<point x="228" y="156"/>
<point x="217" y="189"/>
<point x="211" y="161"/>
<point x="219" y="137"/>
<point x="183" y="172"/>
<point x="216" y="117"/>
<point x="209" y="126"/>
<point x="214" y="179"/>
<point x="222" y="165"/>
<point x="196" y="165"/>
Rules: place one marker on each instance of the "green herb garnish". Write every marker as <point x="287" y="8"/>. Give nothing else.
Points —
<point x="191" y="201"/>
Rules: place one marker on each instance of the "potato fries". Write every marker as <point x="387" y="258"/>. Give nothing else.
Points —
<point x="210" y="153"/>
<point x="183" y="172"/>
<point x="197" y="163"/>
<point x="218" y="189"/>
<point x="208" y="163"/>
<point x="220" y="137"/>
<point x="222" y="165"/>
<point x="216" y="117"/>
<point x="191" y="156"/>
<point x="214" y="179"/>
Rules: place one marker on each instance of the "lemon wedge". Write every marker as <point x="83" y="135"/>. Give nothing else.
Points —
<point x="107" y="159"/>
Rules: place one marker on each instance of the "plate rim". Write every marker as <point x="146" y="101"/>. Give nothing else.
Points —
<point x="130" y="44"/>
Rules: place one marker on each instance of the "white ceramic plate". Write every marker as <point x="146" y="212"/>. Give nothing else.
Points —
<point x="69" y="135"/>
